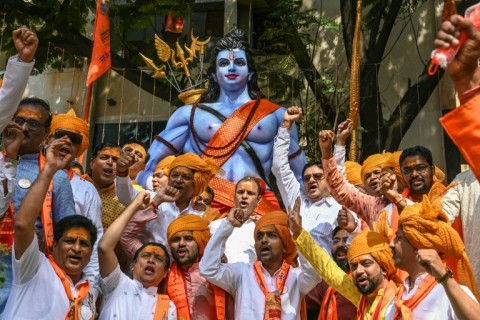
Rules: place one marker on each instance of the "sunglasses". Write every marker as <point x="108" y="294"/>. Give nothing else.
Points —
<point x="75" y="138"/>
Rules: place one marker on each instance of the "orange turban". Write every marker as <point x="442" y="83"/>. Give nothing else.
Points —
<point x="426" y="226"/>
<point x="204" y="170"/>
<point x="374" y="161"/>
<point x="194" y="223"/>
<point x="352" y="170"/>
<point x="164" y="165"/>
<point x="70" y="122"/>
<point x="373" y="243"/>
<point x="279" y="220"/>
<point x="393" y="162"/>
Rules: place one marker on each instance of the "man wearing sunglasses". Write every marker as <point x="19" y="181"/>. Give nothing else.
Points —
<point x="85" y="195"/>
<point x="33" y="118"/>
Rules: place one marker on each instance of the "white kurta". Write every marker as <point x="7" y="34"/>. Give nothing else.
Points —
<point x="238" y="279"/>
<point x="38" y="293"/>
<point x="127" y="299"/>
<point x="240" y="246"/>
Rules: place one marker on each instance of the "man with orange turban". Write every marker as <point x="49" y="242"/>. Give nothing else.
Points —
<point x="273" y="286"/>
<point x="430" y="291"/>
<point x="189" y="175"/>
<point x="372" y="285"/>
<point x="194" y="296"/>
<point x="85" y="195"/>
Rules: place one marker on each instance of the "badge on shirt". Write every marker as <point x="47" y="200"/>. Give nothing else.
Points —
<point x="24" y="183"/>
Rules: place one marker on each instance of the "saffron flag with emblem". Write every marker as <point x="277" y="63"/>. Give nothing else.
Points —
<point x="101" y="58"/>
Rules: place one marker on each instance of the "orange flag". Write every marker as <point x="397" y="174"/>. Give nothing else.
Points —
<point x="101" y="58"/>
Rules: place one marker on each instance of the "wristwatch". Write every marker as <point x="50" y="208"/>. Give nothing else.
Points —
<point x="448" y="274"/>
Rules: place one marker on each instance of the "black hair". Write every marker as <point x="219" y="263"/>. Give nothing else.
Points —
<point x="235" y="39"/>
<point x="75" y="221"/>
<point x="311" y="164"/>
<point x="160" y="245"/>
<point x="76" y="164"/>
<point x="250" y="178"/>
<point x="334" y="232"/>
<point x="417" y="151"/>
<point x="38" y="102"/>
<point x="209" y="190"/>
<point x="144" y="146"/>
<point x="102" y="146"/>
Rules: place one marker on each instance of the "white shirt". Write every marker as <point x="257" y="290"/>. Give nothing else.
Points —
<point x="238" y="279"/>
<point x="435" y="306"/>
<point x="463" y="199"/>
<point x="38" y="293"/>
<point x="15" y="80"/>
<point x="319" y="218"/>
<point x="127" y="299"/>
<point x="240" y="246"/>
<point x="125" y="191"/>
<point x="88" y="204"/>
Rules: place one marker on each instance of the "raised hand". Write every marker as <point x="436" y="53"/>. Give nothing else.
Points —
<point x="142" y="200"/>
<point x="26" y="43"/>
<point x="431" y="261"/>
<point x="166" y="194"/>
<point x="236" y="217"/>
<point x="463" y="69"/>
<point x="325" y="140"/>
<point x="55" y="159"/>
<point x="344" y="130"/>
<point x="124" y="162"/>
<point x="294" y="218"/>
<point x="12" y="138"/>
<point x="346" y="220"/>
<point x="291" y="115"/>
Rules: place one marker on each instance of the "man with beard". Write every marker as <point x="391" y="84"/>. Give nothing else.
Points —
<point x="188" y="174"/>
<point x="430" y="291"/>
<point x="136" y="298"/>
<point x="324" y="302"/>
<point x="194" y="296"/>
<point x="240" y="245"/>
<point x="87" y="201"/>
<point x="103" y="168"/>
<point x="319" y="210"/>
<point x="272" y="286"/>
<point x="372" y="285"/>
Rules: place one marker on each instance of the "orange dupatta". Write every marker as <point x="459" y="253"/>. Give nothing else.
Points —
<point x="273" y="306"/>
<point x="46" y="213"/>
<point x="161" y="308"/>
<point x="388" y="294"/>
<point x="328" y="310"/>
<point x="177" y="291"/>
<point x="404" y="308"/>
<point x="84" y="288"/>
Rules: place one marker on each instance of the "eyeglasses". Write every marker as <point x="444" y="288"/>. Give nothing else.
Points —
<point x="31" y="123"/>
<point x="420" y="169"/>
<point x="316" y="176"/>
<point x="345" y="240"/>
<point x="75" y="138"/>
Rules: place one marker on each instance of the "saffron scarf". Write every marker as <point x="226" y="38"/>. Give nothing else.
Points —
<point x="404" y="308"/>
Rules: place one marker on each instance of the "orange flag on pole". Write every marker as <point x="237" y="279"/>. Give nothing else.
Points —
<point x="101" y="58"/>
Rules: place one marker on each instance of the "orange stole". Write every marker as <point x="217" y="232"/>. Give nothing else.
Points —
<point x="177" y="291"/>
<point x="82" y="293"/>
<point x="46" y="213"/>
<point x="388" y="294"/>
<point x="404" y="308"/>
<point x="230" y="134"/>
<point x="161" y="308"/>
<point x="328" y="310"/>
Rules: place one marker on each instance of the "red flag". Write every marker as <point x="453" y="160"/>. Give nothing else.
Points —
<point x="101" y="58"/>
<point x="174" y="24"/>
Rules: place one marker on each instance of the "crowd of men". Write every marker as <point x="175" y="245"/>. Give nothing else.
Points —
<point x="387" y="239"/>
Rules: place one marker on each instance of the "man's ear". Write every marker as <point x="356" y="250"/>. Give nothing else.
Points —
<point x="47" y="132"/>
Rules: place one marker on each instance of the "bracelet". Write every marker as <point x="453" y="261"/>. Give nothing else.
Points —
<point x="154" y="205"/>
<point x="448" y="274"/>
<point x="397" y="202"/>
<point x="465" y="96"/>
